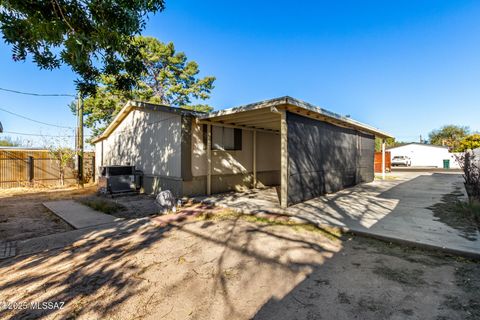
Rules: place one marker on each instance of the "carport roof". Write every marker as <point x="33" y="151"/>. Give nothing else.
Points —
<point x="265" y="115"/>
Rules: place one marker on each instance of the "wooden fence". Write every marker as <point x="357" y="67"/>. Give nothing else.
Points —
<point x="23" y="167"/>
<point x="378" y="162"/>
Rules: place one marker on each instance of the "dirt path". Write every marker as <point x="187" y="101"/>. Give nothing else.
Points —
<point x="234" y="269"/>
<point x="22" y="215"/>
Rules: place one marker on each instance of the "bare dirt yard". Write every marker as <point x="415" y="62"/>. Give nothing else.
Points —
<point x="22" y="215"/>
<point x="236" y="267"/>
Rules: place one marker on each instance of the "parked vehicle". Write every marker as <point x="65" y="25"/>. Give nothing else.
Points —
<point x="401" y="161"/>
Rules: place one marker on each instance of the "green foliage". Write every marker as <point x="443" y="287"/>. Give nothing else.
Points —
<point x="9" y="142"/>
<point x="469" y="143"/>
<point x="92" y="37"/>
<point x="169" y="79"/>
<point x="449" y="135"/>
<point x="389" y="143"/>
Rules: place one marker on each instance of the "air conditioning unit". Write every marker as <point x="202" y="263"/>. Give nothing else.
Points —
<point x="119" y="179"/>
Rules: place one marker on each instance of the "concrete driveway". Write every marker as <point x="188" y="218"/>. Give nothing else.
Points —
<point x="407" y="207"/>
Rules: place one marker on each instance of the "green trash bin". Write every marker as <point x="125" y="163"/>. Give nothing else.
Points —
<point x="446" y="164"/>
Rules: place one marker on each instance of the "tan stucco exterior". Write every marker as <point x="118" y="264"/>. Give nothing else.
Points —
<point x="150" y="140"/>
<point x="166" y="143"/>
<point x="237" y="161"/>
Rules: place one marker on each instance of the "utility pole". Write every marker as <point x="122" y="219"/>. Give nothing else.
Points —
<point x="79" y="140"/>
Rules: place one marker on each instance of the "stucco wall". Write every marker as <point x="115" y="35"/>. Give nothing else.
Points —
<point x="425" y="155"/>
<point x="150" y="140"/>
<point x="238" y="161"/>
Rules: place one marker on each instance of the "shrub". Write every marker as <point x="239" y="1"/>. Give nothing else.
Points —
<point x="471" y="174"/>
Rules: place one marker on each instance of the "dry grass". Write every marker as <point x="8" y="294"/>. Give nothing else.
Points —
<point x="329" y="232"/>
<point x="387" y="177"/>
<point x="102" y="205"/>
<point x="42" y="189"/>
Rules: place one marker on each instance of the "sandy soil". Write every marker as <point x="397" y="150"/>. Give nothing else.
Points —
<point x="236" y="269"/>
<point x="22" y="215"/>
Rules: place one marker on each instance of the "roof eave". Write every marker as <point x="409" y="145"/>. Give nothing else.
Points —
<point x="287" y="100"/>
<point x="132" y="104"/>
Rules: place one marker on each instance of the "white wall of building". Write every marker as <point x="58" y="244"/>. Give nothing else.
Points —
<point x="424" y="155"/>
<point x="149" y="140"/>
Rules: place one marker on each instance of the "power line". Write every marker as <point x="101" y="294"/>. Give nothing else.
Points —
<point x="39" y="134"/>
<point x="30" y="119"/>
<point x="39" y="94"/>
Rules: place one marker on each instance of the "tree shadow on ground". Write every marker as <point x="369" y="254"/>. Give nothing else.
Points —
<point x="99" y="263"/>
<point x="230" y="268"/>
<point x="105" y="264"/>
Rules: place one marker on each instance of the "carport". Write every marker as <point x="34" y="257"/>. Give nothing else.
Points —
<point x="321" y="151"/>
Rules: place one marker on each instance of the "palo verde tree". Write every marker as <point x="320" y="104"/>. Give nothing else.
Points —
<point x="168" y="78"/>
<point x="92" y="37"/>
<point x="469" y="143"/>
<point x="449" y="135"/>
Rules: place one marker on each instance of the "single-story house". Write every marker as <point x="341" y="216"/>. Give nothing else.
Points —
<point x="426" y="155"/>
<point x="305" y="150"/>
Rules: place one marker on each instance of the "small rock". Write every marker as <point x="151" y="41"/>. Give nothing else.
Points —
<point x="166" y="201"/>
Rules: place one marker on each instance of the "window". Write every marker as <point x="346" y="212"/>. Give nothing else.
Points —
<point x="224" y="138"/>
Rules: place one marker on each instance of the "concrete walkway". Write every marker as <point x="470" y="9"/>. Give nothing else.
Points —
<point x="396" y="210"/>
<point x="78" y="215"/>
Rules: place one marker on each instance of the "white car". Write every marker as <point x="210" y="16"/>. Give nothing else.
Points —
<point x="401" y="161"/>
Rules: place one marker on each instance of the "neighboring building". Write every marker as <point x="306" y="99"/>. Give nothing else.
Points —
<point x="305" y="150"/>
<point x="426" y="155"/>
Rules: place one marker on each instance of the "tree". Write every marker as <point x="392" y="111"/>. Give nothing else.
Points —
<point x="469" y="143"/>
<point x="169" y="79"/>
<point x="449" y="135"/>
<point x="92" y="37"/>
<point x="470" y="165"/>
<point x="389" y="143"/>
<point x="61" y="153"/>
<point x="9" y="142"/>
<point x="64" y="158"/>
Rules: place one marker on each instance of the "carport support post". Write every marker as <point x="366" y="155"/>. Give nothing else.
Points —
<point x="254" y="160"/>
<point x="383" y="159"/>
<point x="283" y="160"/>
<point x="209" y="159"/>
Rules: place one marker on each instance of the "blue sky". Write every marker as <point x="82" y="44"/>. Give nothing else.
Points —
<point x="406" y="67"/>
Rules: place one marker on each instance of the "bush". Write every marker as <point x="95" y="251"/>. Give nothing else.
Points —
<point x="103" y="205"/>
<point x="471" y="174"/>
